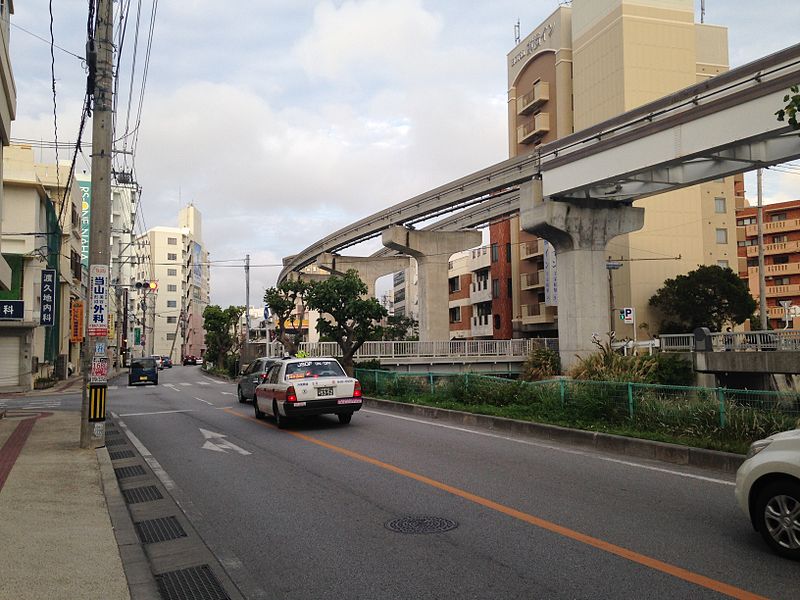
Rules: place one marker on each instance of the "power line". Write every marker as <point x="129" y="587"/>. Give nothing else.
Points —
<point x="46" y="41"/>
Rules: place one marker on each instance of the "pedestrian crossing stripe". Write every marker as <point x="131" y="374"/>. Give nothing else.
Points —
<point x="97" y="403"/>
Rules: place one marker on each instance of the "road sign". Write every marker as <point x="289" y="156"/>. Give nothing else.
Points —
<point x="627" y="315"/>
<point x="218" y="443"/>
<point x="613" y="265"/>
<point x="785" y="303"/>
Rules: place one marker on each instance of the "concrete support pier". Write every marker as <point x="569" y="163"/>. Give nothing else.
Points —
<point x="579" y="232"/>
<point x="369" y="268"/>
<point x="432" y="251"/>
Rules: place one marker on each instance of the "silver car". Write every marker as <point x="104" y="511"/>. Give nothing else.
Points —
<point x="254" y="374"/>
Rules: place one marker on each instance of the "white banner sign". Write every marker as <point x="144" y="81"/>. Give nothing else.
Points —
<point x="550" y="275"/>
<point x="98" y="303"/>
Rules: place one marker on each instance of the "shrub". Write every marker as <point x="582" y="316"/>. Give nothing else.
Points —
<point x="372" y="364"/>
<point x="671" y="369"/>
<point x="609" y="365"/>
<point x="542" y="363"/>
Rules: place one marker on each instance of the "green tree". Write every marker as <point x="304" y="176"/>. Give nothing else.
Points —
<point x="709" y="296"/>
<point x="222" y="341"/>
<point x="397" y="329"/>
<point x="287" y="303"/>
<point x="789" y="112"/>
<point x="345" y="315"/>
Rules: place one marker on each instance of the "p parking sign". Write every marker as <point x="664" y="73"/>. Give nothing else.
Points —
<point x="627" y="315"/>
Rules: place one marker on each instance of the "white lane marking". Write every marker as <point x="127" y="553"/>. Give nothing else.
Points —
<point x="218" y="443"/>
<point x="203" y="383"/>
<point x="228" y="394"/>
<point x="158" y="412"/>
<point x="166" y="480"/>
<point x="558" y="449"/>
<point x="113" y="387"/>
<point x="172" y="387"/>
<point x="185" y="383"/>
<point x="206" y="401"/>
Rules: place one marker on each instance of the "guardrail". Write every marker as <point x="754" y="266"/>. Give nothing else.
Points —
<point x="787" y="340"/>
<point x="453" y="349"/>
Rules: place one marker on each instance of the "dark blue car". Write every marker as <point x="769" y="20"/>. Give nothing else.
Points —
<point x="143" y="370"/>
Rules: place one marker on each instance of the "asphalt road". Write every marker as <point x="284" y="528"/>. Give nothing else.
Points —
<point x="302" y="513"/>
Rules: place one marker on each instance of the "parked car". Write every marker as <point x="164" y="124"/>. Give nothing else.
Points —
<point x="166" y="362"/>
<point x="254" y="374"/>
<point x="143" y="370"/>
<point x="159" y="361"/>
<point x="189" y="360"/>
<point x="768" y="491"/>
<point x="297" y="387"/>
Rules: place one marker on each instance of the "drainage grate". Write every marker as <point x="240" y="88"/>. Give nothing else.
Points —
<point x="113" y="433"/>
<point x="195" y="583"/>
<point x="159" y="530"/>
<point x="120" y="454"/>
<point x="123" y="472"/>
<point x="115" y="442"/>
<point x="142" y="494"/>
<point x="420" y="525"/>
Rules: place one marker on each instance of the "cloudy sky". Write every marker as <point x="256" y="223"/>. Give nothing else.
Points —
<point x="284" y="120"/>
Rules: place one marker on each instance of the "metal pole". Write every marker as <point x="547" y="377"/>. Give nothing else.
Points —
<point x="762" y="276"/>
<point x="95" y="356"/>
<point x="247" y="296"/>
<point x="125" y="327"/>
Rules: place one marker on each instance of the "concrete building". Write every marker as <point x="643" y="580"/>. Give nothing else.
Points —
<point x="171" y="313"/>
<point x="781" y="230"/>
<point x="585" y="64"/>
<point x="8" y="109"/>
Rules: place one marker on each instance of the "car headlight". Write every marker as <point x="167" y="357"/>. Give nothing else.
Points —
<point x="757" y="447"/>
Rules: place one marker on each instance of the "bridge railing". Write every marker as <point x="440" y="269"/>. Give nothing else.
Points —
<point x="444" y="349"/>
<point x="737" y="341"/>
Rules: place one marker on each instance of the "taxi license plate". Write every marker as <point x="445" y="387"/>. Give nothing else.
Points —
<point x="327" y="391"/>
<point x="142" y="377"/>
<point x="349" y="401"/>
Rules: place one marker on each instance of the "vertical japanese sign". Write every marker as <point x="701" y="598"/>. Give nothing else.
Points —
<point x="550" y="275"/>
<point x="76" y="321"/>
<point x="47" y="313"/>
<point x="86" y="210"/>
<point x="98" y="303"/>
<point x="197" y="265"/>
<point x="137" y="336"/>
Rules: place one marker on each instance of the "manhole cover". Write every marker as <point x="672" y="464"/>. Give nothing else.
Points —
<point x="420" y="525"/>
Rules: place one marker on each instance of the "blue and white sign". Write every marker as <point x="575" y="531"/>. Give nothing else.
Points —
<point x="266" y="313"/>
<point x="47" y="313"/>
<point x="627" y="315"/>
<point x="550" y="275"/>
<point x="12" y="310"/>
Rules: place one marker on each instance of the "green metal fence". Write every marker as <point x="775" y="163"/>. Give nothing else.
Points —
<point x="740" y="415"/>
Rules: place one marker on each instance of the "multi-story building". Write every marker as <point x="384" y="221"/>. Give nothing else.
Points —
<point x="781" y="231"/>
<point x="588" y="63"/>
<point x="8" y="109"/>
<point x="196" y="283"/>
<point x="459" y="286"/>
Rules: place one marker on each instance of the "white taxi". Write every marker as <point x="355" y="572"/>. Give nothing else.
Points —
<point x="297" y="387"/>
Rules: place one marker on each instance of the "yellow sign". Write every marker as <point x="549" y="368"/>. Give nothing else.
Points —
<point x="97" y="403"/>
<point x="112" y="332"/>
<point x="76" y="321"/>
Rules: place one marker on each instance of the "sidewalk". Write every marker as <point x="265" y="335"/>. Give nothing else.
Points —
<point x="57" y="537"/>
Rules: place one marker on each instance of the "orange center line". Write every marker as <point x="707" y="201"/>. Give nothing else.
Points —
<point x="675" y="571"/>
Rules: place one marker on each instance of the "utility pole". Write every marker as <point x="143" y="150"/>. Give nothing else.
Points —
<point x="762" y="276"/>
<point x="95" y="354"/>
<point x="125" y="327"/>
<point x="247" y="296"/>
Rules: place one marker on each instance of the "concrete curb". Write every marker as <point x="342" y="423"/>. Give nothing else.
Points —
<point x="606" y="442"/>
<point x="141" y="583"/>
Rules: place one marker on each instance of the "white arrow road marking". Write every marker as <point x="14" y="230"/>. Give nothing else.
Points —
<point x="171" y="386"/>
<point x="206" y="401"/>
<point x="218" y="443"/>
<point x="185" y="383"/>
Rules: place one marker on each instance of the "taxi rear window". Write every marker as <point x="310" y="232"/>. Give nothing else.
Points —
<point x="311" y="369"/>
<point x="143" y="363"/>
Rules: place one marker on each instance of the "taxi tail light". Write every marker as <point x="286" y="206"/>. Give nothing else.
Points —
<point x="357" y="389"/>
<point x="262" y="378"/>
<point x="291" y="395"/>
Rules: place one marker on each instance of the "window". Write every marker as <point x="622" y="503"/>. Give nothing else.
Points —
<point x="495" y="256"/>
<point x="781" y="259"/>
<point x="782" y="281"/>
<point x="509" y="289"/>
<point x="400" y="295"/>
<point x="723" y="263"/>
<point x="172" y="287"/>
<point x="171" y="256"/>
<point x="778" y="216"/>
<point x="722" y="236"/>
<point x="172" y="320"/>
<point x="455" y="314"/>
<point x="172" y="304"/>
<point x="497" y="321"/>
<point x="746" y="221"/>
<point x="454" y="284"/>
<point x="172" y="241"/>
<point x="752" y="262"/>
<point x="172" y="272"/>
<point x="495" y="288"/>
<point x="744" y="243"/>
<point x="170" y="336"/>
<point x="508" y="251"/>
<point x="777" y="239"/>
<point x="720" y="205"/>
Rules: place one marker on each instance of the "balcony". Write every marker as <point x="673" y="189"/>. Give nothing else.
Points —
<point x="533" y="314"/>
<point x="531" y="249"/>
<point x="479" y="292"/>
<point x="774" y="227"/>
<point x="482" y="326"/>
<point x="775" y="270"/>
<point x="779" y="248"/>
<point x="530" y="281"/>
<point x="534" y="129"/>
<point x="480" y="259"/>
<point x="533" y="99"/>
<point x="777" y="312"/>
<point x="783" y="290"/>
